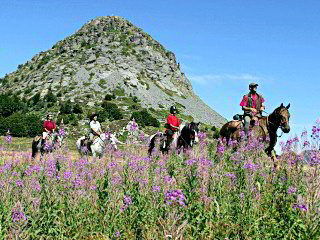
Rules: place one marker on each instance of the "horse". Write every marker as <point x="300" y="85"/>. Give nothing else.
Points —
<point x="268" y="126"/>
<point x="39" y="144"/>
<point x="98" y="144"/>
<point x="186" y="137"/>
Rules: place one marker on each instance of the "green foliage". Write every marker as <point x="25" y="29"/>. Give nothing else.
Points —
<point x="135" y="99"/>
<point x="10" y="105"/>
<point x="129" y="196"/>
<point x="77" y="109"/>
<point x="118" y="91"/>
<point x="109" y="97"/>
<point x="144" y="118"/>
<point x="216" y="133"/>
<point x="35" y="98"/>
<point x="43" y="61"/>
<point x="111" y="111"/>
<point x="50" y="97"/>
<point x="22" y="125"/>
<point x="4" y="80"/>
<point x="66" y="107"/>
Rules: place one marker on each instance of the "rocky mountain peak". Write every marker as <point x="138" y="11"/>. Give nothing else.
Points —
<point x="110" y="55"/>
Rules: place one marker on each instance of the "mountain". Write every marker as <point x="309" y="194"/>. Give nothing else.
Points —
<point x="109" y="55"/>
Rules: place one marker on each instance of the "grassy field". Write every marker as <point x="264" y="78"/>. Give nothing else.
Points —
<point x="211" y="192"/>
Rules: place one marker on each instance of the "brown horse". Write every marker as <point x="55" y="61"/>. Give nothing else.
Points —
<point x="268" y="126"/>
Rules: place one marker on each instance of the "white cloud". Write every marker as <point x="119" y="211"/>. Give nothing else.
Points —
<point x="210" y="78"/>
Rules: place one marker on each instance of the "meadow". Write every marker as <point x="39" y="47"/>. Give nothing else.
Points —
<point x="211" y="192"/>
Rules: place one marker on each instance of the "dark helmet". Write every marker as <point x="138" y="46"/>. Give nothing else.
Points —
<point x="93" y="115"/>
<point x="253" y="84"/>
<point x="173" y="109"/>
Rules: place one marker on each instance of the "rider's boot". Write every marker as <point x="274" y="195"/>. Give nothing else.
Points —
<point x="89" y="145"/>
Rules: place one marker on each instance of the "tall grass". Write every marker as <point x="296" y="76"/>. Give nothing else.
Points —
<point x="208" y="193"/>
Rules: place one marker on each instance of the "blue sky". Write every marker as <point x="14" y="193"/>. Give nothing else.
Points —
<point x="222" y="45"/>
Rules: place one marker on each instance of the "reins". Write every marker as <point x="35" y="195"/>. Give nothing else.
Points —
<point x="273" y="124"/>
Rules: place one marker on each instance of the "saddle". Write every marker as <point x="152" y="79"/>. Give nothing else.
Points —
<point x="86" y="143"/>
<point x="238" y="122"/>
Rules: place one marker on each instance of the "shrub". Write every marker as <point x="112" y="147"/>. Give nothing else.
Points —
<point x="143" y="118"/>
<point x="111" y="110"/>
<point x="50" y="97"/>
<point x="109" y="97"/>
<point x="216" y="133"/>
<point x="22" y="125"/>
<point x="77" y="109"/>
<point x="10" y="105"/>
<point x="135" y="99"/>
<point x="36" y="98"/>
<point x="66" y="107"/>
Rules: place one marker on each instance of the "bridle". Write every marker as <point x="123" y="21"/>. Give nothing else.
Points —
<point x="190" y="145"/>
<point x="283" y="121"/>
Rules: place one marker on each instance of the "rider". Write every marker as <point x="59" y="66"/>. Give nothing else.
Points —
<point x="49" y="126"/>
<point x="95" y="128"/>
<point x="252" y="104"/>
<point x="173" y="124"/>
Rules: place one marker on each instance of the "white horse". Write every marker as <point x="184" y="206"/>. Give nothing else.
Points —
<point x="98" y="144"/>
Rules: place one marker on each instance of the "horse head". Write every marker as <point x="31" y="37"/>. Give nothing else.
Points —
<point x="193" y="130"/>
<point x="281" y="117"/>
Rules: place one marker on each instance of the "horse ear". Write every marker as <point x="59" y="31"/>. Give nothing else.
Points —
<point x="287" y="107"/>
<point x="281" y="105"/>
<point x="198" y="123"/>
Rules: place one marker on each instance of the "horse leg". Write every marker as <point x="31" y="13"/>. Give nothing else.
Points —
<point x="34" y="149"/>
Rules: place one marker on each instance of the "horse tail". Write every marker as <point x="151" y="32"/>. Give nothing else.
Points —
<point x="152" y="143"/>
<point x="78" y="144"/>
<point x="35" y="147"/>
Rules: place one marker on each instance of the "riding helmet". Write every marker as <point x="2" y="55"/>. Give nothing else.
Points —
<point x="173" y="109"/>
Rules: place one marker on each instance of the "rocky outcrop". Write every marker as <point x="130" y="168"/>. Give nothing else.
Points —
<point x="105" y="54"/>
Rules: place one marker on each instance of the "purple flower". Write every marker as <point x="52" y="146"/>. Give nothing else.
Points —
<point x="28" y="171"/>
<point x="93" y="187"/>
<point x="127" y="201"/>
<point x="36" y="185"/>
<point x="117" y="234"/>
<point x="291" y="190"/>
<point x="61" y="132"/>
<point x="242" y="134"/>
<point x="141" y="137"/>
<point x="36" y="168"/>
<point x="67" y="175"/>
<point x="17" y="213"/>
<point x="190" y="161"/>
<point x="156" y="189"/>
<point x="241" y="196"/>
<point x="8" y="139"/>
<point x="250" y="166"/>
<point x="175" y="196"/>
<point x="220" y="149"/>
<point x="300" y="206"/>
<point x="19" y="183"/>
<point x="231" y="175"/>
<point x="306" y="143"/>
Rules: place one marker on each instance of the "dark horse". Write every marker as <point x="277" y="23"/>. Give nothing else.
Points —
<point x="38" y="144"/>
<point x="186" y="137"/>
<point x="268" y="126"/>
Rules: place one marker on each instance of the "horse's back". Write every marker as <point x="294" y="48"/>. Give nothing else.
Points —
<point x="230" y="127"/>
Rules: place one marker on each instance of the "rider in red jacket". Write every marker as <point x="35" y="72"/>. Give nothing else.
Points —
<point x="173" y="124"/>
